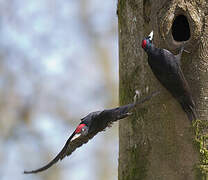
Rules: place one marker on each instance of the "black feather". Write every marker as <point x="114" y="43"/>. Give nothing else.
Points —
<point x="96" y="122"/>
<point x="166" y="68"/>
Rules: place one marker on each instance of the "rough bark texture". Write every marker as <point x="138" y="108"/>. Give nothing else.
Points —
<point x="158" y="142"/>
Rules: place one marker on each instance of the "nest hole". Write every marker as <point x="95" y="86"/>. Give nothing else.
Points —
<point x="180" y="29"/>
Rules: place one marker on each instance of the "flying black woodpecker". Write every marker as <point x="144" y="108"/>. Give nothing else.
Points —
<point x="166" y="68"/>
<point x="90" y="125"/>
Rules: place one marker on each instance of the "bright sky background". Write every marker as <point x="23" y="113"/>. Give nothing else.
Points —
<point x="46" y="41"/>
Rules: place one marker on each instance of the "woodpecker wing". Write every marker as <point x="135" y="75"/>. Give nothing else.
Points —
<point x="176" y="82"/>
<point x="101" y="120"/>
<point x="106" y="117"/>
<point x="60" y="156"/>
<point x="166" y="68"/>
<point x="97" y="122"/>
<point x="184" y="96"/>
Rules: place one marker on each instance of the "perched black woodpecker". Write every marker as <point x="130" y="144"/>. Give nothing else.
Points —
<point x="90" y="125"/>
<point x="166" y="68"/>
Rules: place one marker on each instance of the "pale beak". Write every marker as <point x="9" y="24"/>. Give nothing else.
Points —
<point x="151" y="36"/>
<point x="76" y="136"/>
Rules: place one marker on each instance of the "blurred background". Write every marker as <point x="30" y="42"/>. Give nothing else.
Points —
<point x="58" y="62"/>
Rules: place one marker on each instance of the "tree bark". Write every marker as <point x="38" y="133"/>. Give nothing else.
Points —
<point x="158" y="142"/>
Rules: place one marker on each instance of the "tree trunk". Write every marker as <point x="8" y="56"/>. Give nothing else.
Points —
<point x="158" y="142"/>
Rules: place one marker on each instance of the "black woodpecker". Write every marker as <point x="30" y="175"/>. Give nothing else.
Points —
<point x="166" y="68"/>
<point x="90" y="125"/>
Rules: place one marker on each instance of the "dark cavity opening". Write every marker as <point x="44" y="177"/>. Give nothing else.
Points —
<point x="180" y="28"/>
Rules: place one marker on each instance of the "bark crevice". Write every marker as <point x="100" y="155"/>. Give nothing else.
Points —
<point x="158" y="142"/>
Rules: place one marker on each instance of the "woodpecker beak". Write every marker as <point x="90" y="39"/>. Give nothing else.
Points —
<point x="150" y="36"/>
<point x="76" y="136"/>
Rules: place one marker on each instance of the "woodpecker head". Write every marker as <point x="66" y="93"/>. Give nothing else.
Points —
<point x="146" y="42"/>
<point x="81" y="130"/>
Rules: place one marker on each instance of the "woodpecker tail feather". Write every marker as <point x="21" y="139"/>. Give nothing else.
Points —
<point x="190" y="111"/>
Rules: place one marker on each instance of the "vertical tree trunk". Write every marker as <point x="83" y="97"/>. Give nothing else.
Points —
<point x="158" y="142"/>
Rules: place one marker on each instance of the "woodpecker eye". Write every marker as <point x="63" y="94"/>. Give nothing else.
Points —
<point x="79" y="128"/>
<point x="84" y="130"/>
<point x="144" y="43"/>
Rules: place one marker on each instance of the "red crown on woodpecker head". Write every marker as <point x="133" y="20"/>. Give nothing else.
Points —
<point x="79" y="128"/>
<point x="144" y="43"/>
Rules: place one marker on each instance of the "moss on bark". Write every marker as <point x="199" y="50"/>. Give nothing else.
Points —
<point x="158" y="142"/>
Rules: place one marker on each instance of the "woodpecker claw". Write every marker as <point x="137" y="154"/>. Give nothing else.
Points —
<point x="124" y="115"/>
<point x="186" y="51"/>
<point x="129" y="113"/>
<point x="136" y="96"/>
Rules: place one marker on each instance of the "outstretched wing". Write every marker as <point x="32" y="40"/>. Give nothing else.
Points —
<point x="97" y="121"/>
<point x="99" y="124"/>
<point x="121" y="112"/>
<point x="69" y="147"/>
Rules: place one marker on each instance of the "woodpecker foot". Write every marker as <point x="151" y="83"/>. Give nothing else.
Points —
<point x="124" y="115"/>
<point x="136" y="96"/>
<point x="129" y="113"/>
<point x="186" y="51"/>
